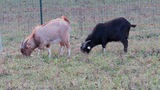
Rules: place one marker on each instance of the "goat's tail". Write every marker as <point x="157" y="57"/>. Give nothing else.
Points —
<point x="133" y="26"/>
<point x="65" y="18"/>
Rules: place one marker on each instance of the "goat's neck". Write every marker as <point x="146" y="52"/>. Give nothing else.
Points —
<point x="32" y="42"/>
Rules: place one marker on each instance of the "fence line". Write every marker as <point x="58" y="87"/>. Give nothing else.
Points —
<point x="24" y="14"/>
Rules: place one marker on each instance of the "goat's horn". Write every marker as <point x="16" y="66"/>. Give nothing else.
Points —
<point x="24" y="43"/>
<point x="86" y="43"/>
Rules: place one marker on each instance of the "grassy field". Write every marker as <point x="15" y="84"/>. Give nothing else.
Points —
<point x="139" y="69"/>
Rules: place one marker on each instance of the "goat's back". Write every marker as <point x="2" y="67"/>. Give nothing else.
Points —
<point x="53" y="29"/>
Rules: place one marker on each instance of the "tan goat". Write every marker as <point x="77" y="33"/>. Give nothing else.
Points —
<point x="55" y="31"/>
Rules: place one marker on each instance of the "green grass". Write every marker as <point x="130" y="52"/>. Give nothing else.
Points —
<point x="139" y="69"/>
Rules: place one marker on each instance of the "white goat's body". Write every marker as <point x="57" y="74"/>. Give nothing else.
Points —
<point x="55" y="31"/>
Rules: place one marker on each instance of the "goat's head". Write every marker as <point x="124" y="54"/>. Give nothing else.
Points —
<point x="86" y="47"/>
<point x="26" y="48"/>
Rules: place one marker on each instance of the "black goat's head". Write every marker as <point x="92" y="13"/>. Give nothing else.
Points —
<point x="86" y="47"/>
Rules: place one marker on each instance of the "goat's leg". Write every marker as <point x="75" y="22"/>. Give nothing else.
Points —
<point x="49" y="50"/>
<point x="61" y="48"/>
<point x="104" y="43"/>
<point x="66" y="42"/>
<point x="125" y="44"/>
<point x="42" y="46"/>
<point x="68" y="48"/>
<point x="103" y="50"/>
<point x="39" y="52"/>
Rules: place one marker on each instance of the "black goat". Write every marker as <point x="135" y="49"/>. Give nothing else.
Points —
<point x="113" y="30"/>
